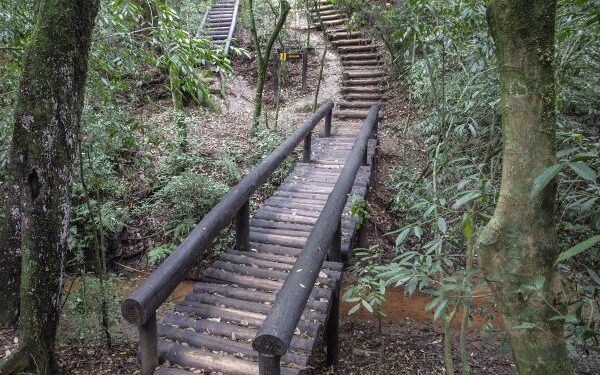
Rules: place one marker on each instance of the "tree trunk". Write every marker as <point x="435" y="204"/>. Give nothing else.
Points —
<point x="519" y="245"/>
<point x="47" y="117"/>
<point x="262" y="57"/>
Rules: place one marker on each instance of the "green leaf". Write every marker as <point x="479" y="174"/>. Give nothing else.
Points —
<point x="440" y="310"/>
<point x="367" y="305"/>
<point x="538" y="282"/>
<point x="402" y="236"/>
<point x="466" y="198"/>
<point x="583" y="170"/>
<point x="442" y="225"/>
<point x="578" y="249"/>
<point x="354" y="309"/>
<point x="524" y="325"/>
<point x="467" y="227"/>
<point x="432" y="304"/>
<point x="544" y="178"/>
<point x="418" y="232"/>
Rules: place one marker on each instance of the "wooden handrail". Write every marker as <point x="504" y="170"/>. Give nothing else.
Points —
<point x="140" y="307"/>
<point x="232" y="26"/>
<point x="273" y="338"/>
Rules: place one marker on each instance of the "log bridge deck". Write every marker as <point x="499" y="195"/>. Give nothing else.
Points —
<point x="264" y="306"/>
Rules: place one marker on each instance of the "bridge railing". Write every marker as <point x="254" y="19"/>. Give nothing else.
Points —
<point x="140" y="307"/>
<point x="273" y="338"/>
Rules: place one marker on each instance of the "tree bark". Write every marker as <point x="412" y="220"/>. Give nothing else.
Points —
<point x="46" y="125"/>
<point x="262" y="57"/>
<point x="520" y="245"/>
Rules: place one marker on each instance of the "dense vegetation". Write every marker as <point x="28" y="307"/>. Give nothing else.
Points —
<point x="443" y="52"/>
<point x="143" y="176"/>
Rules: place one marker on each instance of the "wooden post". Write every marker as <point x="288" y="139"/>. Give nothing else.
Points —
<point x="335" y="251"/>
<point x="332" y="329"/>
<point x="304" y="67"/>
<point x="334" y="255"/>
<point x="269" y="364"/>
<point x="148" y="346"/>
<point x="375" y="129"/>
<point x="276" y="74"/>
<point x="327" y="129"/>
<point x="307" y="146"/>
<point x="242" y="227"/>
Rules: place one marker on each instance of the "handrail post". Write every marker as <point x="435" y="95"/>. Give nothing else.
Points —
<point x="269" y="364"/>
<point x="335" y="251"/>
<point x="307" y="146"/>
<point x="327" y="130"/>
<point x="332" y="329"/>
<point x="375" y="129"/>
<point x="242" y="227"/>
<point x="148" y="346"/>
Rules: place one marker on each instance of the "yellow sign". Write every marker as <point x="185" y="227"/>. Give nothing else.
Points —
<point x="289" y="56"/>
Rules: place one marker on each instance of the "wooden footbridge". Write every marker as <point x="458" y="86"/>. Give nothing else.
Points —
<point x="266" y="305"/>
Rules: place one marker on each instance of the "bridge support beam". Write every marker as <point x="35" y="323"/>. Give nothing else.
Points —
<point x="148" y="346"/>
<point x="269" y="364"/>
<point x="242" y="228"/>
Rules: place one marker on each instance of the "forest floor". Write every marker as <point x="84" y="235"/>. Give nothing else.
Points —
<point x="412" y="344"/>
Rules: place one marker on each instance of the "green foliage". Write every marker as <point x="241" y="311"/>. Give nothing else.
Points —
<point x="359" y="210"/>
<point x="185" y="198"/>
<point x="83" y="315"/>
<point x="369" y="291"/>
<point x="266" y="140"/>
<point x="443" y="53"/>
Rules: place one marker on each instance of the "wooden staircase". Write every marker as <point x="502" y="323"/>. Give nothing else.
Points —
<point x="363" y="83"/>
<point x="219" y="22"/>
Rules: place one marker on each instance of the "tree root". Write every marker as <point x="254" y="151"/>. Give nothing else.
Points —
<point x="16" y="362"/>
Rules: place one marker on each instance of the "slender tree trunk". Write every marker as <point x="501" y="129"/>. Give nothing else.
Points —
<point x="47" y="118"/>
<point x="262" y="56"/>
<point x="519" y="245"/>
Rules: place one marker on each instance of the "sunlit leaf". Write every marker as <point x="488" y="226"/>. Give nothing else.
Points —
<point x="578" y="249"/>
<point x="544" y="178"/>
<point x="583" y="170"/>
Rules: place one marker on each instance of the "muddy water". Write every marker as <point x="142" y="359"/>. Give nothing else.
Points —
<point x="126" y="286"/>
<point x="398" y="306"/>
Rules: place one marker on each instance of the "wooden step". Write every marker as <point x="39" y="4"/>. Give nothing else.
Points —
<point x="357" y="49"/>
<point x="361" y="56"/>
<point x="351" y="42"/>
<point x="363" y="82"/>
<point x="372" y="96"/>
<point x="189" y="357"/>
<point x="323" y="8"/>
<point x="361" y="90"/>
<point x="344" y="35"/>
<point x="362" y="63"/>
<point x="360" y="74"/>
<point x="330" y="17"/>
<point x="357" y="104"/>
<point x="354" y="114"/>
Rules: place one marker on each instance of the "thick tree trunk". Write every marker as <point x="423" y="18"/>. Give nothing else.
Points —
<point x="262" y="57"/>
<point x="47" y="118"/>
<point x="519" y="245"/>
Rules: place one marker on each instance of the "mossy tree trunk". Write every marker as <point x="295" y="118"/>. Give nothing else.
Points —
<point x="262" y="55"/>
<point x="519" y="245"/>
<point x="46" y="125"/>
